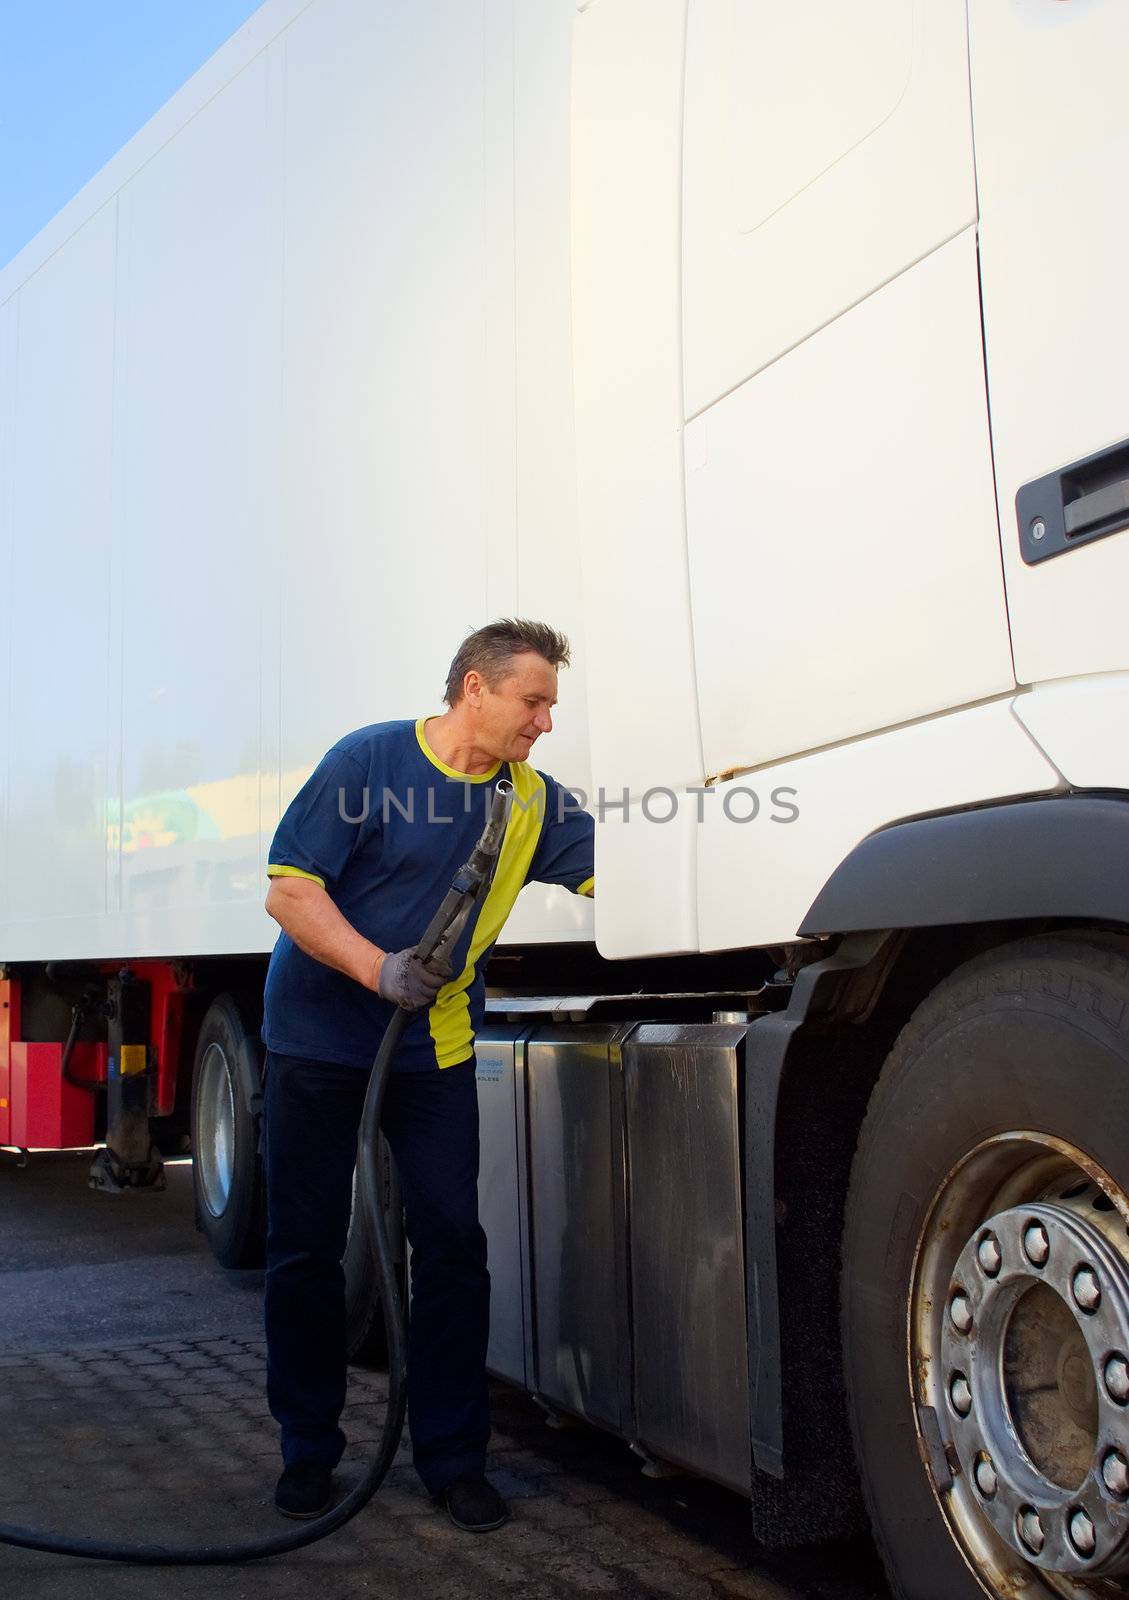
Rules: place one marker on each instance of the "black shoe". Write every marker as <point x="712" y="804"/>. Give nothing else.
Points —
<point x="474" y="1505"/>
<point x="305" y="1490"/>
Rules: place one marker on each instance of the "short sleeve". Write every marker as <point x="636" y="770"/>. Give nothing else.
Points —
<point x="565" y="852"/>
<point x="324" y="823"/>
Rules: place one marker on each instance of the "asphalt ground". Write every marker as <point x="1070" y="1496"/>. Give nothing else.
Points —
<point x="132" y="1407"/>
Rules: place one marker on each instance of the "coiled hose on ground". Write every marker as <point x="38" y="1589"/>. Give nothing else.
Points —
<point x="465" y="895"/>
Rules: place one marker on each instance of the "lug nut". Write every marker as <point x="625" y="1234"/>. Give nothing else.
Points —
<point x="1117" y="1379"/>
<point x="960" y="1313"/>
<point x="988" y="1254"/>
<point x="1115" y="1473"/>
<point x="1082" y="1535"/>
<point x="960" y="1394"/>
<point x="985" y="1475"/>
<point x="1031" y="1530"/>
<point x="1036" y="1245"/>
<point x="1087" y="1292"/>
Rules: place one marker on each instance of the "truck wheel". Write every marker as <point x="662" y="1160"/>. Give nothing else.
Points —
<point x="226" y="1166"/>
<point x="365" y="1332"/>
<point x="986" y="1281"/>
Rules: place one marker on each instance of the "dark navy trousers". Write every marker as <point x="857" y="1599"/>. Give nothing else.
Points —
<point x="311" y="1115"/>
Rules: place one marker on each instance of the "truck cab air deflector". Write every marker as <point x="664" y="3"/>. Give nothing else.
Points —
<point x="1060" y="856"/>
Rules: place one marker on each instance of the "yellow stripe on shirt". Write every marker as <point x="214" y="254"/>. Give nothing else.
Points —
<point x="450" y="772"/>
<point x="293" y="872"/>
<point x="449" y="1017"/>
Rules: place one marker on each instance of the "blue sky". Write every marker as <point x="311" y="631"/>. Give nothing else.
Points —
<point x="77" y="79"/>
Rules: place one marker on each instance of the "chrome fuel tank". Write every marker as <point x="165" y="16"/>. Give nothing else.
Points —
<point x="612" y="1197"/>
<point x="687" y="1260"/>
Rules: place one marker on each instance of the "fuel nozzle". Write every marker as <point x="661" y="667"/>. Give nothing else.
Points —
<point x="468" y="888"/>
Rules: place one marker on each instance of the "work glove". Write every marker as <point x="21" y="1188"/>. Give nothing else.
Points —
<point x="407" y="982"/>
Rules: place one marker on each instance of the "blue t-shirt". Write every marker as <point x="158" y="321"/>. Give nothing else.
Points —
<point x="383" y="825"/>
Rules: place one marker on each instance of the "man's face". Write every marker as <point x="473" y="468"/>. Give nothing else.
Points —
<point x="513" y="715"/>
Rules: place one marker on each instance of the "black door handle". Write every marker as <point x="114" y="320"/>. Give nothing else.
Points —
<point x="1097" y="506"/>
<point x="1087" y="500"/>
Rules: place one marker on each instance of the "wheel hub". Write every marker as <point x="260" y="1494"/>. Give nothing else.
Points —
<point x="1034" y="1348"/>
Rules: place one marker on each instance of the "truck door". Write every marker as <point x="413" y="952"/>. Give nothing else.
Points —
<point x="843" y="543"/>
<point x="1052" y="153"/>
<point x="843" y="547"/>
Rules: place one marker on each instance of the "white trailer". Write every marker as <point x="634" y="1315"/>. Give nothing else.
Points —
<point x="778" y="354"/>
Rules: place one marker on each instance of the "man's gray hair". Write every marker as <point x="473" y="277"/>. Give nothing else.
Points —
<point x="490" y="651"/>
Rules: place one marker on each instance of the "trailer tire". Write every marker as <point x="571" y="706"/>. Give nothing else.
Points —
<point x="227" y="1174"/>
<point x="365" y="1330"/>
<point x="1030" y="1037"/>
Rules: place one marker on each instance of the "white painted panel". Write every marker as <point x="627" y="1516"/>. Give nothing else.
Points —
<point x="1052" y="150"/>
<point x="409" y="476"/>
<point x="646" y="870"/>
<point x="393" y="404"/>
<point x="57" y="581"/>
<point x="145" y="931"/>
<point x="1080" y="725"/>
<point x="499" y="253"/>
<point x="548" y="571"/>
<point x="626" y="134"/>
<point x="199" y="324"/>
<point x="643" y="722"/>
<point x="804" y="84"/>
<point x="9" y="314"/>
<point x="272" y="576"/>
<point x="757" y="879"/>
<point x="547" y="574"/>
<point x="326" y="481"/>
<point x="844" y="551"/>
<point x="827" y="148"/>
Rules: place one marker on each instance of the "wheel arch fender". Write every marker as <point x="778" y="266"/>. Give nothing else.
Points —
<point x="805" y="1092"/>
<point x="809" y="1073"/>
<point x="1020" y="860"/>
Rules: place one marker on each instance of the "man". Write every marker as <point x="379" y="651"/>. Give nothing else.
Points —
<point x="359" y="863"/>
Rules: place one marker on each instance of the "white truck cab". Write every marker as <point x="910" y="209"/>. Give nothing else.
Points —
<point x="779" y="354"/>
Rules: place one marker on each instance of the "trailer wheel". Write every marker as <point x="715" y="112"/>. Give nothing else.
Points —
<point x="365" y="1331"/>
<point x="226" y="1166"/>
<point x="986" y="1281"/>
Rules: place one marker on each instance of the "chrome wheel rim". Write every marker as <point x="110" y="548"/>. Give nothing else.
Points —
<point x="214" y="1151"/>
<point x="1018" y="1340"/>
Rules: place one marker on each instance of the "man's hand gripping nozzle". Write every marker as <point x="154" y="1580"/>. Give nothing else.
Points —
<point x="412" y="978"/>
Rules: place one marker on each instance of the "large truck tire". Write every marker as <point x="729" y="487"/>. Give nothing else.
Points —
<point x="985" y="1290"/>
<point x="226" y="1166"/>
<point x="365" y="1332"/>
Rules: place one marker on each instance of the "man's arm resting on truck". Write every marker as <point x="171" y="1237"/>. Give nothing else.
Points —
<point x="304" y="910"/>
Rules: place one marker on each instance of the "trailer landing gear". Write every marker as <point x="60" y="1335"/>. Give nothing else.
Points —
<point x="115" y="1177"/>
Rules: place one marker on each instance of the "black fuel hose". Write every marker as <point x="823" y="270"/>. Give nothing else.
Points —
<point x="467" y="890"/>
<point x="368" y="1187"/>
